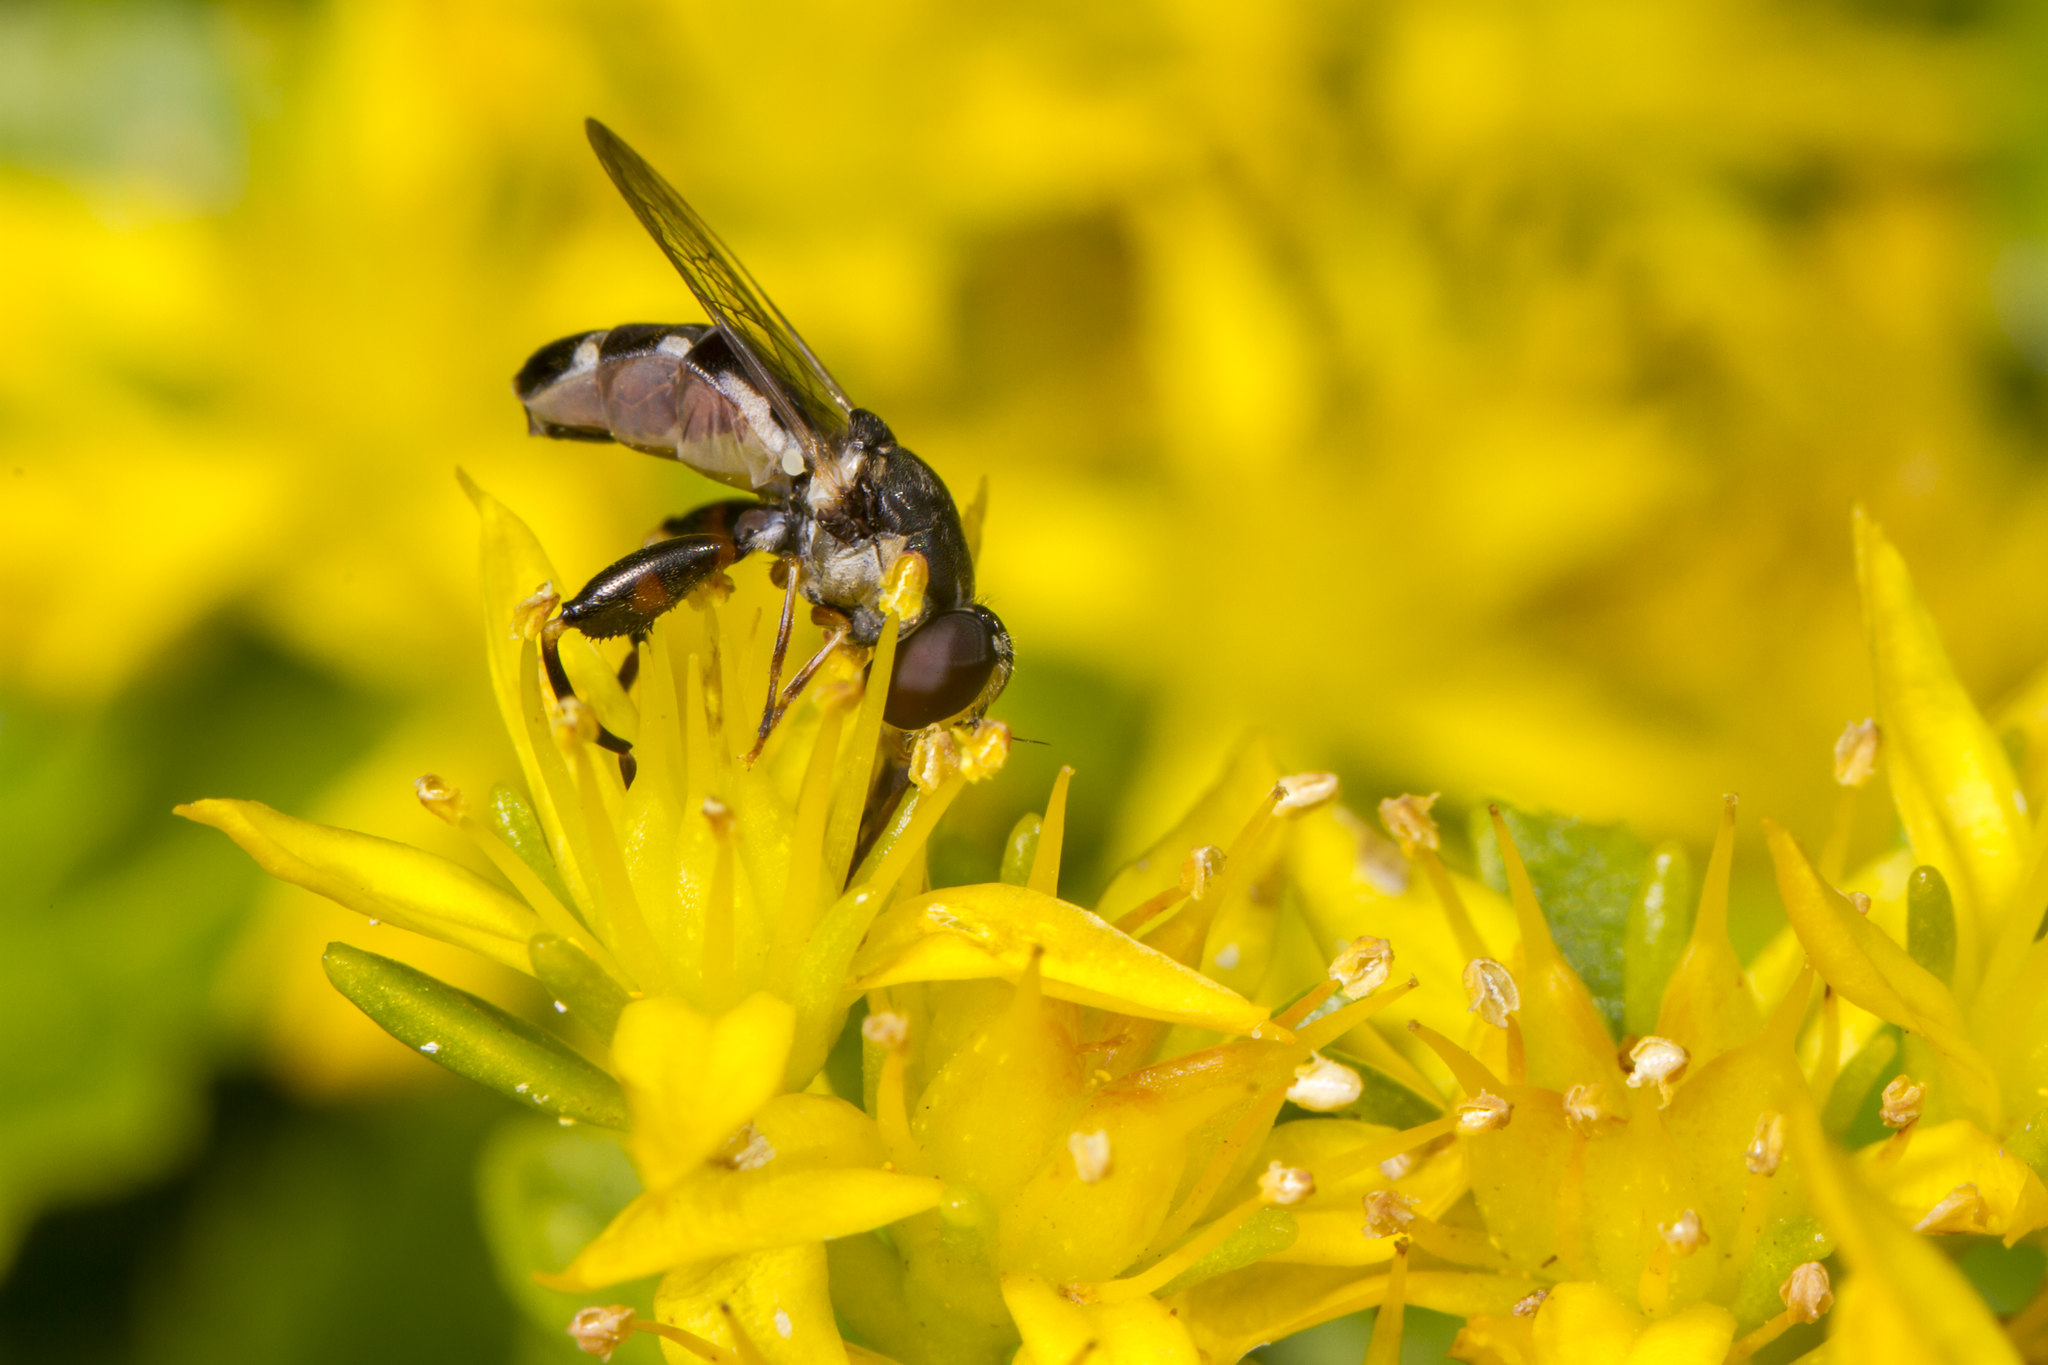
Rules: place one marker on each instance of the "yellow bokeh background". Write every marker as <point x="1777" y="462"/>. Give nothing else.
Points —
<point x="1471" y="393"/>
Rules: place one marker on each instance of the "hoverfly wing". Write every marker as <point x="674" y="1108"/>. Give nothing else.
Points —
<point x="800" y="392"/>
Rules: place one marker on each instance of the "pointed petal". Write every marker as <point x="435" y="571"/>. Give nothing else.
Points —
<point x="1950" y="778"/>
<point x="1057" y="1331"/>
<point x="991" y="930"/>
<point x="693" y="1080"/>
<point x="1859" y="960"/>
<point x="386" y="881"/>
<point x="778" y="1298"/>
<point x="820" y="1182"/>
<point x="1906" y="1303"/>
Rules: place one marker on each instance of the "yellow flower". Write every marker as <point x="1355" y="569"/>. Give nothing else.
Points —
<point x="703" y="928"/>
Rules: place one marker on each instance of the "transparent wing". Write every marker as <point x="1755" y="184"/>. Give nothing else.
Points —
<point x="805" y="398"/>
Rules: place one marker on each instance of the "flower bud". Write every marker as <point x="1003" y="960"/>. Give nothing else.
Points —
<point x="1283" y="1185"/>
<point x="1407" y="818"/>
<point x="1490" y="991"/>
<point x="1324" y="1086"/>
<point x="1806" y="1292"/>
<point x="1856" y="754"/>
<point x="1362" y="967"/>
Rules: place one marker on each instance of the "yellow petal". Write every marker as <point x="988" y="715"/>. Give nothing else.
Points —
<point x="1216" y="819"/>
<point x="1234" y="1313"/>
<point x="1699" y="1335"/>
<point x="1940" y="1158"/>
<point x="1905" y="1303"/>
<point x="1866" y="966"/>
<point x="1950" y="778"/>
<point x="778" y="1298"/>
<point x="692" y="1080"/>
<point x="1588" y="1322"/>
<point x="819" y="1183"/>
<point x="991" y="930"/>
<point x="1707" y="1005"/>
<point x="1056" y="1330"/>
<point x="386" y="881"/>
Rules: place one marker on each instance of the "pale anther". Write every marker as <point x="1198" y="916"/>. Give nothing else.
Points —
<point x="599" y="1331"/>
<point x="1484" y="1113"/>
<point x="1397" y="1167"/>
<point x="1407" y="818"/>
<point x="1091" y="1154"/>
<point x="440" y="798"/>
<point x="1203" y="866"/>
<point x="1283" y="1184"/>
<point x="1856" y="754"/>
<point x="983" y="747"/>
<point x="1960" y="1210"/>
<point x="1490" y="991"/>
<point x="749" y="1149"/>
<point x="1387" y="1213"/>
<point x="1526" y="1306"/>
<point x="1657" y="1061"/>
<point x="885" y="1028"/>
<point x="1806" y="1292"/>
<point x="935" y="758"/>
<point x="1767" y="1147"/>
<point x="1586" y="1108"/>
<point x="1861" y="900"/>
<point x="719" y="814"/>
<point x="575" y="723"/>
<point x="1304" y="792"/>
<point x="530" y="615"/>
<point x="1362" y="967"/>
<point x="1684" y="1235"/>
<point x="903" y="590"/>
<point x="1325" y="1086"/>
<point x="1899" y="1106"/>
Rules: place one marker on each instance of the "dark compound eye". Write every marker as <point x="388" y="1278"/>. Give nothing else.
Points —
<point x="943" y="666"/>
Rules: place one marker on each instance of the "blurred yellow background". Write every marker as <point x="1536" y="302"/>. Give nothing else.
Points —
<point x="1473" y="394"/>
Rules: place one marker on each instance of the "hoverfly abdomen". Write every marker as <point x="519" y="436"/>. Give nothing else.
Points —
<point x="558" y="387"/>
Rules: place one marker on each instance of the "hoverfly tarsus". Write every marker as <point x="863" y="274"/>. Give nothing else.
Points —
<point x="743" y="400"/>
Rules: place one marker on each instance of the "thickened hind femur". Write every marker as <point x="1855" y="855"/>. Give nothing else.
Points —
<point x="945" y="666"/>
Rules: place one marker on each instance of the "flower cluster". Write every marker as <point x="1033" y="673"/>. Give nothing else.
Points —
<point x="1192" y="1121"/>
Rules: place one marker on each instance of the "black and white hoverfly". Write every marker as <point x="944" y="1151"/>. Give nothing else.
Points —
<point x="743" y="400"/>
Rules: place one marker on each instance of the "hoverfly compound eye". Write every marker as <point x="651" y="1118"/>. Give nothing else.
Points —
<point x="957" y="661"/>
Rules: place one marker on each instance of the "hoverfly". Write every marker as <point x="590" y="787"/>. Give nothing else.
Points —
<point x="744" y="401"/>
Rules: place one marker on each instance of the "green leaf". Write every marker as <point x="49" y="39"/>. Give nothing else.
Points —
<point x="1852" y="1086"/>
<point x="1586" y="877"/>
<point x="474" y="1038"/>
<point x="579" y="987"/>
<point x="516" y="824"/>
<point x="1659" y="924"/>
<point x="1931" y="921"/>
<point x="1784" y="1245"/>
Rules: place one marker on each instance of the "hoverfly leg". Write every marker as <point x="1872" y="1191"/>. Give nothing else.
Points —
<point x="629" y="669"/>
<point x="626" y="599"/>
<point x="770" y="711"/>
